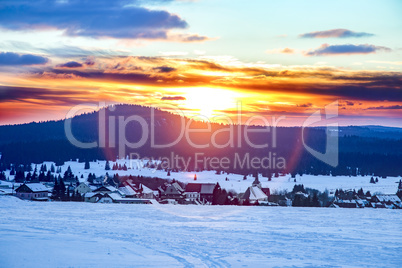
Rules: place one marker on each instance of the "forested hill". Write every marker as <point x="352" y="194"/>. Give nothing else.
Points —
<point x="362" y="150"/>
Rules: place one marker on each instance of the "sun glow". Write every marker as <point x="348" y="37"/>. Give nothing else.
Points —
<point x="209" y="101"/>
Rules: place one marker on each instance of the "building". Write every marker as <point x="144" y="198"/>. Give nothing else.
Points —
<point x="105" y="189"/>
<point x="254" y="194"/>
<point x="117" y="198"/>
<point x="205" y="190"/>
<point x="386" y="200"/>
<point x="172" y="191"/>
<point x="33" y="191"/>
<point x="82" y="188"/>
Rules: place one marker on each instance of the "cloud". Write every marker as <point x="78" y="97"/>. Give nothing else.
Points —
<point x="37" y="95"/>
<point x="394" y="107"/>
<point x="116" y="19"/>
<point x="285" y="50"/>
<point x="173" y="98"/>
<point x="11" y="58"/>
<point x="335" y="33"/>
<point x="90" y="61"/>
<point x="164" y="69"/>
<point x="305" y="105"/>
<point x="347" y="49"/>
<point x="70" y="64"/>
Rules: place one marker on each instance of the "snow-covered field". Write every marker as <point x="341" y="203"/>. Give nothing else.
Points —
<point x="66" y="234"/>
<point x="236" y="182"/>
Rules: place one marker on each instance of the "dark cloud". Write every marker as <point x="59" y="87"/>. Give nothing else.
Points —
<point x="10" y="58"/>
<point x="70" y="64"/>
<point x="305" y="105"/>
<point x="26" y="94"/>
<point x="193" y="38"/>
<point x="336" y="33"/>
<point x="164" y="69"/>
<point x="394" y="107"/>
<point x="326" y="49"/>
<point x="89" y="61"/>
<point x="349" y="103"/>
<point x="173" y="98"/>
<point x="103" y="18"/>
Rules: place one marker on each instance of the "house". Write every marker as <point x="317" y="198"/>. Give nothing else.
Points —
<point x="146" y="192"/>
<point x="280" y="200"/>
<point x="105" y="189"/>
<point x="33" y="191"/>
<point x="82" y="188"/>
<point x="192" y="196"/>
<point x="386" y="200"/>
<point x="117" y="198"/>
<point x="205" y="190"/>
<point x="341" y="203"/>
<point x="172" y="191"/>
<point x="254" y="193"/>
<point x="128" y="191"/>
<point x="92" y="197"/>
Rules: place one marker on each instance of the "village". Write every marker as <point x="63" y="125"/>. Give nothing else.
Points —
<point x="49" y="185"/>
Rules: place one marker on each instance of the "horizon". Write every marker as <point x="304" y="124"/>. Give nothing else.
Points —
<point x="166" y="53"/>
<point x="324" y="124"/>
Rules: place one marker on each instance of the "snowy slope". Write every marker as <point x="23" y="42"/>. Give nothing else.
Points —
<point x="236" y="182"/>
<point x="69" y="234"/>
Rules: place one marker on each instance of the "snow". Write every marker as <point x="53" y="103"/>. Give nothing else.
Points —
<point x="235" y="182"/>
<point x="71" y="234"/>
<point x="37" y="187"/>
<point x="255" y="193"/>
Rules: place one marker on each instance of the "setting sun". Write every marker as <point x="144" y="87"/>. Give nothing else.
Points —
<point x="208" y="101"/>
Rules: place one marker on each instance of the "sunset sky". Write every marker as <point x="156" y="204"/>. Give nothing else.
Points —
<point x="274" y="58"/>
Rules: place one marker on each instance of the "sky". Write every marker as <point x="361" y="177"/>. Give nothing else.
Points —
<point x="211" y="57"/>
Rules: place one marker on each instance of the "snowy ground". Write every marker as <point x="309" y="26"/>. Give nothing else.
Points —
<point x="236" y="182"/>
<point x="55" y="234"/>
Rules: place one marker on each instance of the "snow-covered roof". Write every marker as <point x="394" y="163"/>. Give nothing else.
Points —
<point x="388" y="198"/>
<point x="37" y="187"/>
<point x="127" y="190"/>
<point x="146" y="190"/>
<point x="89" y="194"/>
<point x="254" y="193"/>
<point x="207" y="188"/>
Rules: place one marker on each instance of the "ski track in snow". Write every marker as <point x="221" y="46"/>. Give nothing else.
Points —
<point x="69" y="234"/>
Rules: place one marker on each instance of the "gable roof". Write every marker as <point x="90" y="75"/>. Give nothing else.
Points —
<point x="203" y="188"/>
<point x="388" y="198"/>
<point x="207" y="188"/>
<point x="105" y="189"/>
<point x="254" y="193"/>
<point x="34" y="187"/>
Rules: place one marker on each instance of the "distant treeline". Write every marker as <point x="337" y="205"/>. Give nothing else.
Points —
<point x="373" y="153"/>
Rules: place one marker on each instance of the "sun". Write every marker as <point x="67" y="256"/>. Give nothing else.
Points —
<point x="209" y="101"/>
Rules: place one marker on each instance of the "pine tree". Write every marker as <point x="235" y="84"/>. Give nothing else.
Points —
<point x="87" y="165"/>
<point x="107" y="166"/>
<point x="55" y="190"/>
<point x="195" y="177"/>
<point x="215" y="194"/>
<point x="315" y="202"/>
<point x="52" y="168"/>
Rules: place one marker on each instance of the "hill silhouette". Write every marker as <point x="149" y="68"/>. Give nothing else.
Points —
<point x="362" y="150"/>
